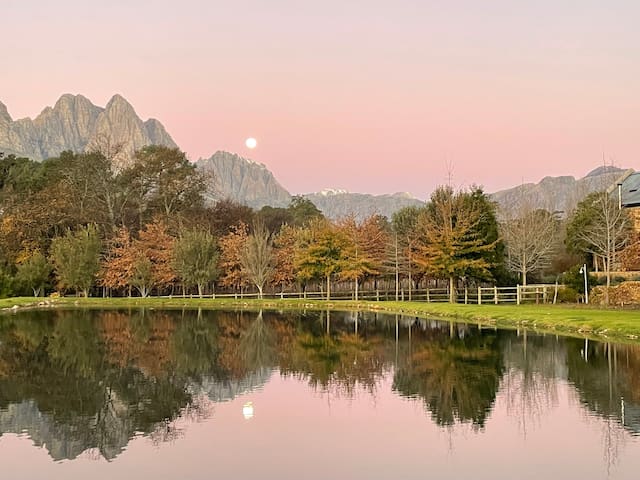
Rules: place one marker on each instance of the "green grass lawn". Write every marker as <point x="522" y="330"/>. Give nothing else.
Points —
<point x="566" y="319"/>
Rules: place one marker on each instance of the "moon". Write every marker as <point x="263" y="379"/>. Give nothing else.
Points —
<point x="251" y="143"/>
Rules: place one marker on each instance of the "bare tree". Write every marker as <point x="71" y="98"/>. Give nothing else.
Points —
<point x="257" y="257"/>
<point x="530" y="236"/>
<point x="607" y="232"/>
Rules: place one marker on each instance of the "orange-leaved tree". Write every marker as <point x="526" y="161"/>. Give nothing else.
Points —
<point x="231" y="246"/>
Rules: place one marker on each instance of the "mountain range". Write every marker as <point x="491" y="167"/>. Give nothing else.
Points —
<point x="76" y="124"/>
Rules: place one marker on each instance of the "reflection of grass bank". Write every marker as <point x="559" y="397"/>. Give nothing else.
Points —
<point x="619" y="324"/>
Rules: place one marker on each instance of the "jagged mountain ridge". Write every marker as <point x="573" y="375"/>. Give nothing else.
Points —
<point x="76" y="124"/>
<point x="558" y="194"/>
<point x="339" y="203"/>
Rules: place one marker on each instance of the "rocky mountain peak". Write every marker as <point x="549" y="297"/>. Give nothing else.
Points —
<point x="74" y="123"/>
<point x="120" y="104"/>
<point x="243" y="180"/>
<point x="4" y="114"/>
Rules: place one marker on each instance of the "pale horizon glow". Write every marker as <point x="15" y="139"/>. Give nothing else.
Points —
<point x="374" y="97"/>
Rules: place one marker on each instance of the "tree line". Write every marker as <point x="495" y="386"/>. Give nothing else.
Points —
<point x="81" y="224"/>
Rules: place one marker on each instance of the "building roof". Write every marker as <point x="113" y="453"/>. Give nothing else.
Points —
<point x="631" y="190"/>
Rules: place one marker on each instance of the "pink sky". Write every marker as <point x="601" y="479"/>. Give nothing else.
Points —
<point x="370" y="96"/>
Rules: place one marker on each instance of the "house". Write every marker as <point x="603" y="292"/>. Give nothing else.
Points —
<point x="629" y="195"/>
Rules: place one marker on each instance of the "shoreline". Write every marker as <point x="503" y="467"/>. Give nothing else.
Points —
<point x="582" y="321"/>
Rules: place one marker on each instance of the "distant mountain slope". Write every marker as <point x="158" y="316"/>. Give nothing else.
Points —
<point x="244" y="181"/>
<point x="338" y="203"/>
<point x="253" y="184"/>
<point x="560" y="194"/>
<point x="76" y="124"/>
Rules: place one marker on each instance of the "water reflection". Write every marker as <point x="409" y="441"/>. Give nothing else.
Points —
<point x="77" y="381"/>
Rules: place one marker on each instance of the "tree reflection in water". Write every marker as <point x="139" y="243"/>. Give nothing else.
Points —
<point x="454" y="371"/>
<point x="89" y="381"/>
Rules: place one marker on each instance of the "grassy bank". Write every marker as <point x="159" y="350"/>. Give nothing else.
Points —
<point x="565" y="319"/>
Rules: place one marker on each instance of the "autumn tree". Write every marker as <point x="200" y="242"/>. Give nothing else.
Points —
<point x="284" y="246"/>
<point x="118" y="265"/>
<point x="231" y="247"/>
<point x="364" y="251"/>
<point x="153" y="267"/>
<point x="450" y="243"/>
<point x="321" y="252"/>
<point x="195" y="258"/>
<point x="34" y="272"/>
<point x="76" y="258"/>
<point x="404" y="223"/>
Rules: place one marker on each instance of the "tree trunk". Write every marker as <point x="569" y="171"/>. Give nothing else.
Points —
<point x="36" y="292"/>
<point x="356" y="290"/>
<point x="452" y="290"/>
<point x="259" y="292"/>
<point x="200" y="290"/>
<point x="328" y="287"/>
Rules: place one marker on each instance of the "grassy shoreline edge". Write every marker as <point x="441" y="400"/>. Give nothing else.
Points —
<point x="602" y="324"/>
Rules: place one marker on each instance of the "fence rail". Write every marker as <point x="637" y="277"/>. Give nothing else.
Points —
<point x="481" y="295"/>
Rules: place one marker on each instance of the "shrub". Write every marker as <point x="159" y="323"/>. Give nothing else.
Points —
<point x="568" y="295"/>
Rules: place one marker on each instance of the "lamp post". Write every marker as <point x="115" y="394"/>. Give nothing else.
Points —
<point x="619" y="196"/>
<point x="583" y="270"/>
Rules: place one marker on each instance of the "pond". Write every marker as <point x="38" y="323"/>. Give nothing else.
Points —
<point x="88" y="394"/>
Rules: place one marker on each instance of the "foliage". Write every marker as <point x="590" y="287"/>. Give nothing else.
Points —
<point x="231" y="247"/>
<point x="195" y="258"/>
<point x="34" y="272"/>
<point x="164" y="178"/>
<point x="284" y="244"/>
<point x="118" y="264"/>
<point x="321" y="252"/>
<point x="364" y="253"/>
<point x="76" y="258"/>
<point x="404" y="223"/>
<point x="303" y="211"/>
<point x="574" y="279"/>
<point x="257" y="258"/>
<point x="450" y="243"/>
<point x="274" y="218"/>
<point x="154" y="254"/>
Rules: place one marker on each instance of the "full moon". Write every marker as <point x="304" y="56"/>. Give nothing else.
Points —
<point x="251" y="143"/>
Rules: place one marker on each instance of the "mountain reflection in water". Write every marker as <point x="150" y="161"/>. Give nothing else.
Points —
<point x="79" y="381"/>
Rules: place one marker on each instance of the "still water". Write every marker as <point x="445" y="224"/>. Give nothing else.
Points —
<point x="312" y="395"/>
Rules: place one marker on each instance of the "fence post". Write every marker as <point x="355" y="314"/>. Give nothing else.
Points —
<point x="479" y="295"/>
<point x="495" y="294"/>
<point x="518" y="294"/>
